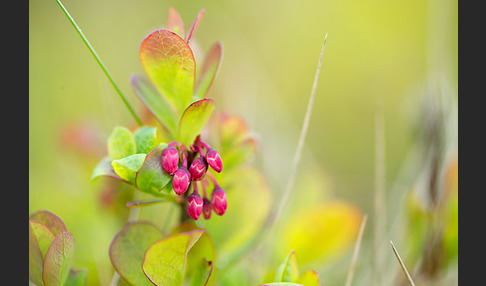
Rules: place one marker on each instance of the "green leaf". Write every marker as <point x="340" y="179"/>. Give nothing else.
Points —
<point x="175" y="23"/>
<point x="77" y="277"/>
<point x="145" y="138"/>
<point x="52" y="221"/>
<point x="309" y="278"/>
<point x="58" y="259"/>
<point x="200" y="259"/>
<point x="132" y="204"/>
<point x="151" y="178"/>
<point x="204" y="269"/>
<point x="43" y="236"/>
<point x="169" y="62"/>
<point x="193" y="120"/>
<point x="35" y="258"/>
<point x="121" y="143"/>
<point x="165" y="259"/>
<point x="209" y="70"/>
<point x="127" y="250"/>
<point x="156" y="104"/>
<point x="104" y="168"/>
<point x="288" y="271"/>
<point x="128" y="167"/>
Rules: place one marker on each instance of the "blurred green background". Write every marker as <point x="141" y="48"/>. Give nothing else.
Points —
<point x="378" y="53"/>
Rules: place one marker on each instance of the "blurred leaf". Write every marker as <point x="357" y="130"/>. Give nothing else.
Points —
<point x="77" y="277"/>
<point x="209" y="70"/>
<point x="35" y="258"/>
<point x="200" y="259"/>
<point x="165" y="259"/>
<point x="151" y="178"/>
<point x="309" y="278"/>
<point x="288" y="271"/>
<point x="243" y="185"/>
<point x="175" y="23"/>
<point x="128" y="247"/>
<point x="155" y="103"/>
<point x="104" y="168"/>
<point x="233" y="130"/>
<point x="52" y="221"/>
<point x="58" y="259"/>
<point x="194" y="25"/>
<point x="145" y="138"/>
<point x="128" y="167"/>
<point x="43" y="236"/>
<point x="239" y="153"/>
<point x="281" y="284"/>
<point x="451" y="233"/>
<point x="193" y="120"/>
<point x="322" y="231"/>
<point x="121" y="143"/>
<point x="170" y="65"/>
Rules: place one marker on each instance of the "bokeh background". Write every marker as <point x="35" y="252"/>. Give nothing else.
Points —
<point x="389" y="60"/>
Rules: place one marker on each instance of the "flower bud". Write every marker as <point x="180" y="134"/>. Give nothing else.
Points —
<point x="170" y="159"/>
<point x="194" y="205"/>
<point x="214" y="160"/>
<point x="198" y="168"/>
<point x="218" y="200"/>
<point x="206" y="208"/>
<point x="181" y="180"/>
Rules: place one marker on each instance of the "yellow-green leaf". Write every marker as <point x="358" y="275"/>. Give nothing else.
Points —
<point x="165" y="259"/>
<point x="288" y="271"/>
<point x="194" y="119"/>
<point x="121" y="143"/>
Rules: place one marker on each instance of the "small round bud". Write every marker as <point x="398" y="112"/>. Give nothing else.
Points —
<point x="214" y="160"/>
<point x="218" y="200"/>
<point x="194" y="205"/>
<point x="206" y="208"/>
<point x="170" y="159"/>
<point x="181" y="180"/>
<point x="198" y="168"/>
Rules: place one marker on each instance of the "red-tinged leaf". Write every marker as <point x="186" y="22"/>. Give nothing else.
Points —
<point x="43" y="236"/>
<point x="53" y="222"/>
<point x="35" y="259"/>
<point x="194" y="119"/>
<point x="209" y="70"/>
<point x="58" y="259"/>
<point x="309" y="278"/>
<point x="156" y="104"/>
<point x="194" y="25"/>
<point x="165" y="259"/>
<point x="170" y="65"/>
<point x="175" y="23"/>
<point x="128" y="247"/>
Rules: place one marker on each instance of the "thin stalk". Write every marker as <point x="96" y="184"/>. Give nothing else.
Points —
<point x="379" y="203"/>
<point x="303" y="133"/>
<point x="356" y="251"/>
<point x="272" y="217"/>
<point x="100" y="63"/>
<point x="402" y="265"/>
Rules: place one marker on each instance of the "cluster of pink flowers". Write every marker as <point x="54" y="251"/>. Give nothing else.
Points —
<point x="199" y="158"/>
